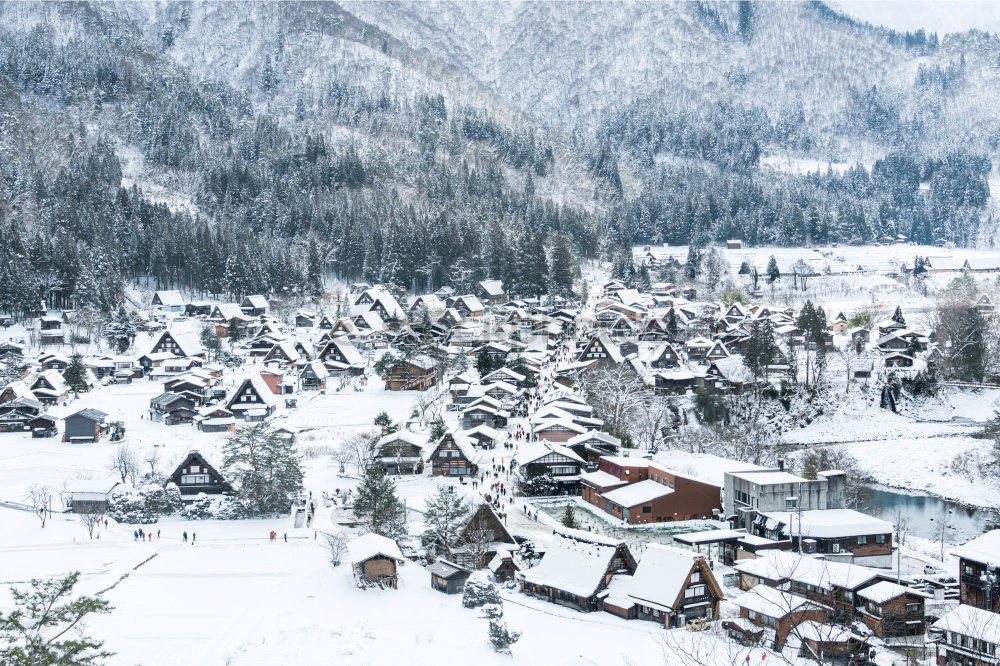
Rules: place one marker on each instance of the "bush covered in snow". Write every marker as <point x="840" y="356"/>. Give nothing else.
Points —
<point x="539" y="486"/>
<point x="479" y="592"/>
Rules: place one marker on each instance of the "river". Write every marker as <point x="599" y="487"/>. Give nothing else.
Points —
<point x="923" y="513"/>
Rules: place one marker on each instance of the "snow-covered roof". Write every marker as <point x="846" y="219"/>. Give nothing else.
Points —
<point x="575" y="562"/>
<point x="256" y="301"/>
<point x="768" y="477"/>
<point x="533" y="452"/>
<point x="601" y="479"/>
<point x="406" y="436"/>
<point x="92" y="485"/>
<point x="771" y="602"/>
<point x="561" y="423"/>
<point x="635" y="494"/>
<point x="884" y="590"/>
<point x="471" y="302"/>
<point x="484" y="430"/>
<point x="492" y="287"/>
<point x="831" y="523"/>
<point x="170" y="298"/>
<point x="971" y="621"/>
<point x="984" y="549"/>
<point x="662" y="573"/>
<point x="594" y="436"/>
<point x="779" y="565"/>
<point x="19" y="389"/>
<point x="371" y="545"/>
<point x="55" y="380"/>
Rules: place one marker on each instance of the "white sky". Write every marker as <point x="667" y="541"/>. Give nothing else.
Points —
<point x="939" y="16"/>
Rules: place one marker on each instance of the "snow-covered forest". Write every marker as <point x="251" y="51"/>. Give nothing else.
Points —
<point x="241" y="147"/>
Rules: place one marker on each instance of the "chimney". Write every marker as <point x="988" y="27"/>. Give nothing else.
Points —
<point x="781" y="464"/>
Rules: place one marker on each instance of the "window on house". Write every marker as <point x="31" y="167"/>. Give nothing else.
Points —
<point x="194" y="479"/>
<point x="694" y="591"/>
<point x="647" y="509"/>
<point x="862" y="540"/>
<point x="879" y="538"/>
<point x="695" y="576"/>
<point x="912" y="608"/>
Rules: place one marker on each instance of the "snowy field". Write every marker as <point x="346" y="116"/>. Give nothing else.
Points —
<point x="850" y="277"/>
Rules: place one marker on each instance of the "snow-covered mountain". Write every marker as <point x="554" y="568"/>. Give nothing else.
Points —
<point x="353" y="130"/>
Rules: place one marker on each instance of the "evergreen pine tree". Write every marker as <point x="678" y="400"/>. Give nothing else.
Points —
<point x="773" y="272"/>
<point x="376" y="506"/>
<point x="445" y="514"/>
<point x="897" y="316"/>
<point x="120" y="330"/>
<point x="264" y="469"/>
<point x="75" y="373"/>
<point x="761" y="349"/>
<point x="561" y="266"/>
<point x="569" y="517"/>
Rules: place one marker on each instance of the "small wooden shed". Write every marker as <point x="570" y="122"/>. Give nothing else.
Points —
<point x="374" y="560"/>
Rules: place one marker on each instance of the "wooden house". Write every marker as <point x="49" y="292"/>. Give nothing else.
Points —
<point x="215" y="419"/>
<point x="414" y="374"/>
<point x="198" y="309"/>
<point x="486" y="521"/>
<point x="195" y="476"/>
<point x="893" y="613"/>
<point x="492" y="292"/>
<point x="766" y="610"/>
<point x="559" y="462"/>
<point x="466" y="305"/>
<point x="313" y="376"/>
<point x="253" y="400"/>
<point x="340" y="356"/>
<point x="898" y="360"/>
<point x="666" y="356"/>
<point x="454" y="455"/>
<point x="86" y="425"/>
<point x="969" y="636"/>
<point x="178" y="345"/>
<point x="89" y="495"/>
<point x="49" y="387"/>
<point x="254" y="306"/>
<point x="601" y="351"/>
<point x="401" y="452"/>
<point x="578" y="566"/>
<point x="671" y="587"/>
<point x="374" y="560"/>
<point x="172" y="408"/>
<point x="168" y="301"/>
<point x="448" y="577"/>
<point x="592" y="445"/>
<point x="976" y="559"/>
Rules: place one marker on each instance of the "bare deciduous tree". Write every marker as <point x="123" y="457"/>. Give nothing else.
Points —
<point x="478" y="539"/>
<point x="152" y="458"/>
<point x="358" y="450"/>
<point x="336" y="545"/>
<point x="91" y="521"/>
<point x="40" y="499"/>
<point x="617" y="394"/>
<point x="125" y="461"/>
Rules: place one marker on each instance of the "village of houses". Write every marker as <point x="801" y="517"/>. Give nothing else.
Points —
<point x="631" y="555"/>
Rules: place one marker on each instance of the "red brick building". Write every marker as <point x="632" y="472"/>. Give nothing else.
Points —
<point x="640" y="491"/>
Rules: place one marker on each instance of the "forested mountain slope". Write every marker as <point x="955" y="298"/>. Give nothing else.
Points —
<point x="247" y="146"/>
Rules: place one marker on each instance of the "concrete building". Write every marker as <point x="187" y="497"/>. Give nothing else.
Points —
<point x="749" y="493"/>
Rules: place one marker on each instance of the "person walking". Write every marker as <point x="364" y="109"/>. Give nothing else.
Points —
<point x="185" y="536"/>
<point x="194" y="536"/>
<point x="285" y="534"/>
